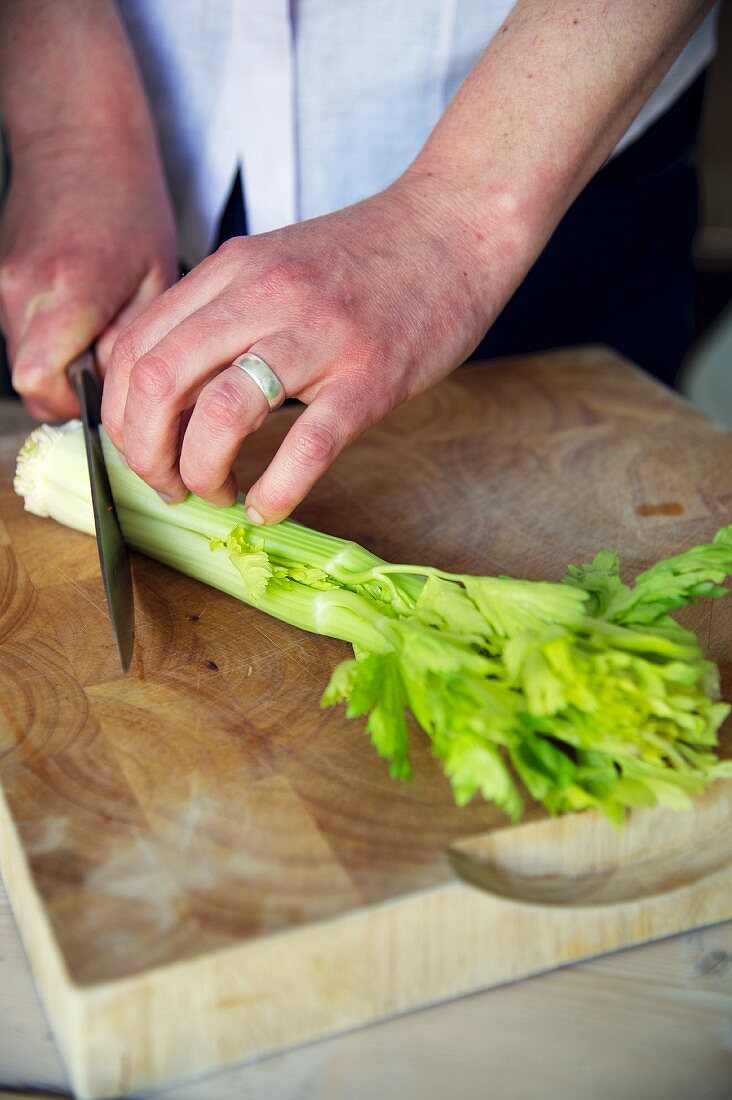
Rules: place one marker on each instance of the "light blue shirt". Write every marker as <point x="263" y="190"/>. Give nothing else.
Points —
<point x="320" y="102"/>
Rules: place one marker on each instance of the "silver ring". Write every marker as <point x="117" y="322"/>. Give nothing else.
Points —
<point x="264" y="377"/>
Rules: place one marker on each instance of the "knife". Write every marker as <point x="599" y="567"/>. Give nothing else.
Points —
<point x="114" y="557"/>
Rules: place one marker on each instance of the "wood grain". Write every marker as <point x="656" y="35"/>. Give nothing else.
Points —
<point x="200" y="832"/>
<point x="578" y="861"/>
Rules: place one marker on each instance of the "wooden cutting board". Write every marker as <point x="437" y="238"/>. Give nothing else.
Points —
<point x="206" y="866"/>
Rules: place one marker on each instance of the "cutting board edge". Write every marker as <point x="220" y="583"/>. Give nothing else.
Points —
<point x="447" y="939"/>
<point x="106" y="1067"/>
<point x="49" y="969"/>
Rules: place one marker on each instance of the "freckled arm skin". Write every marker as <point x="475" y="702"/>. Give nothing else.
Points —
<point x="545" y="106"/>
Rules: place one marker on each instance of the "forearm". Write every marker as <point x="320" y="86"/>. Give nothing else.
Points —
<point x="66" y="70"/>
<point x="541" y="111"/>
<point x="87" y="237"/>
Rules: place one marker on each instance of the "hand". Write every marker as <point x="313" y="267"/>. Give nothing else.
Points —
<point x="355" y="312"/>
<point x="87" y="240"/>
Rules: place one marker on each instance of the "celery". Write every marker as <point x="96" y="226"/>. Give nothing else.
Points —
<point x="583" y="693"/>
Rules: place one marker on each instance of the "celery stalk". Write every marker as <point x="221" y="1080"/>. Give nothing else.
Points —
<point x="584" y="693"/>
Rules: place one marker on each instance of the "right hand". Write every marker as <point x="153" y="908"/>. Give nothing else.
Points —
<point x="87" y="241"/>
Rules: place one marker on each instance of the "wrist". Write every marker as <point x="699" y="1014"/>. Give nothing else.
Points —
<point x="68" y="75"/>
<point x="117" y="148"/>
<point x="490" y="231"/>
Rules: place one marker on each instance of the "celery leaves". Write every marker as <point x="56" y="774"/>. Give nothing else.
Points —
<point x="250" y="559"/>
<point x="585" y="693"/>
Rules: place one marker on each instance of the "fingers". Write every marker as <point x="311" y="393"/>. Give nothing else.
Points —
<point x="145" y="424"/>
<point x="229" y="408"/>
<point x="55" y="334"/>
<point x="191" y="294"/>
<point x="315" y="440"/>
<point x="52" y="312"/>
<point x="151" y="287"/>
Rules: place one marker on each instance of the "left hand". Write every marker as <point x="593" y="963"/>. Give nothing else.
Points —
<point x="355" y="312"/>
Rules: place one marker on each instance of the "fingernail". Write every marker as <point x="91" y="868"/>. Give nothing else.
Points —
<point x="123" y="460"/>
<point x="167" y="498"/>
<point x="253" y="515"/>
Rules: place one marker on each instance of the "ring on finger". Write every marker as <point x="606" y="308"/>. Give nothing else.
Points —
<point x="263" y="376"/>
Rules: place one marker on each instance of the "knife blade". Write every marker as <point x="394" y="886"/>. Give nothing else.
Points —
<point x="114" y="557"/>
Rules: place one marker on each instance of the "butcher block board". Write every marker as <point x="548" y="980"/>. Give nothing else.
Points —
<point x="204" y="865"/>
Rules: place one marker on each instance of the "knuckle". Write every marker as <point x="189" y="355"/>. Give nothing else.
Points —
<point x="379" y="405"/>
<point x="193" y="477"/>
<point x="273" y="498"/>
<point x="142" y="465"/>
<point x="223" y="406"/>
<point x="228" y="308"/>
<point x="112" y="413"/>
<point x="336" y="315"/>
<point x="200" y="474"/>
<point x="286" y="274"/>
<point x="196" y="479"/>
<point x="63" y="273"/>
<point x="367" y="397"/>
<point x="29" y="383"/>
<point x="153" y="377"/>
<point x="114" y="427"/>
<point x="11" y="277"/>
<point x="230" y="250"/>
<point x="66" y="272"/>
<point x="159" y="280"/>
<point x="125" y="352"/>
<point x="344" y="306"/>
<point x="24" y="288"/>
<point x="314" y="446"/>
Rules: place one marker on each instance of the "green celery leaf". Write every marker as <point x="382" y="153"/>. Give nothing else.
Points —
<point x="474" y="766"/>
<point x="311" y="576"/>
<point x="600" y="578"/>
<point x="511" y="606"/>
<point x="250" y="559"/>
<point x="372" y="685"/>
<point x="678" y="581"/>
<point x="529" y="667"/>
<point x="446" y="605"/>
<point x="541" y="765"/>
